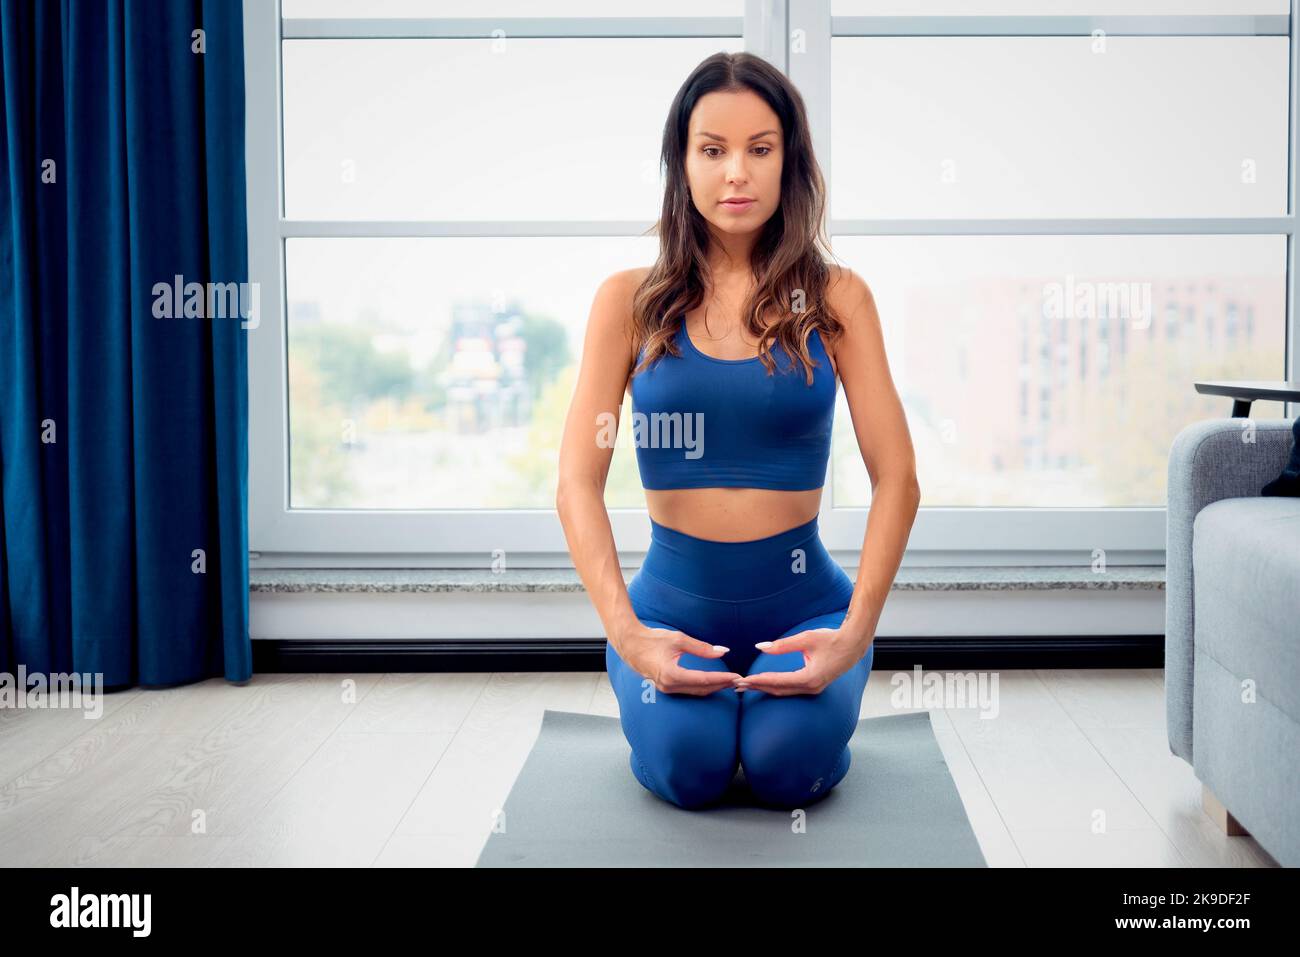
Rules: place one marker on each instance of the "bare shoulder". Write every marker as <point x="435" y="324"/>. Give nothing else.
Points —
<point x="608" y="339"/>
<point x="626" y="281"/>
<point x="847" y="292"/>
<point x="849" y="298"/>
<point x="616" y="292"/>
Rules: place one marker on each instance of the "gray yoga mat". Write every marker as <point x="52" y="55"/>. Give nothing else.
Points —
<point x="576" y="804"/>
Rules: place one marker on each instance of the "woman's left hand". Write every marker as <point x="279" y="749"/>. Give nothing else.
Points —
<point x="828" y="653"/>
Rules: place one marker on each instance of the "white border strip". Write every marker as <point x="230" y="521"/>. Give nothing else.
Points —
<point x="468" y="28"/>
<point x="346" y="28"/>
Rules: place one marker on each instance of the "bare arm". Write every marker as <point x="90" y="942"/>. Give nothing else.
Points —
<point x="607" y="359"/>
<point x="886" y="445"/>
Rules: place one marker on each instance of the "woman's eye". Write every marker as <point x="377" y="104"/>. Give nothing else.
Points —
<point x="711" y="155"/>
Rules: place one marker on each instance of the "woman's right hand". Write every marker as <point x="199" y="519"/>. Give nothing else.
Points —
<point x="654" y="652"/>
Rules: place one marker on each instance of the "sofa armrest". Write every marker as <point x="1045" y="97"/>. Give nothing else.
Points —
<point x="1210" y="460"/>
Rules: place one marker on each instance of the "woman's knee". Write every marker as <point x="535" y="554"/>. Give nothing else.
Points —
<point x="793" y="788"/>
<point x="685" y="746"/>
<point x="691" y="769"/>
<point x="785" y="767"/>
<point x="794" y="747"/>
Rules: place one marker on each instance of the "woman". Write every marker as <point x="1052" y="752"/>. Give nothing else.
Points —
<point x="740" y="641"/>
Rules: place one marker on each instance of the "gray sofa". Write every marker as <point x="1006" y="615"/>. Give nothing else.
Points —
<point x="1232" y="627"/>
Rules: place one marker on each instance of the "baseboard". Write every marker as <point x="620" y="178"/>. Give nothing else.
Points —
<point x="549" y="654"/>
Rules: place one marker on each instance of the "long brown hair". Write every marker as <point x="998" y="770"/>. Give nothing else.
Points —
<point x="791" y="275"/>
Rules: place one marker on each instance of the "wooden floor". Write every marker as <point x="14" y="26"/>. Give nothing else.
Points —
<point x="407" y="769"/>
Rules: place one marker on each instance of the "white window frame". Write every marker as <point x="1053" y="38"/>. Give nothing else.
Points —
<point x="534" y="537"/>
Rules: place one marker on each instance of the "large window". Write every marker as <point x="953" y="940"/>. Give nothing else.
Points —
<point x="1068" y="211"/>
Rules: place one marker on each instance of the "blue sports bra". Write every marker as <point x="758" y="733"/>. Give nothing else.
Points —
<point x="703" y="422"/>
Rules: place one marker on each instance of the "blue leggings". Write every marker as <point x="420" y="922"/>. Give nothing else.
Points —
<point x="686" y="748"/>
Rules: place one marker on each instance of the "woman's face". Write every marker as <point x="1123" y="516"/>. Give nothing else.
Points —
<point x="734" y="150"/>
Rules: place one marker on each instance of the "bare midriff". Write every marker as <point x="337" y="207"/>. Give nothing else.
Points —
<point x="732" y="514"/>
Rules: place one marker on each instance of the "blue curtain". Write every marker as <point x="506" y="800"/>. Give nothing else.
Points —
<point x="123" y="433"/>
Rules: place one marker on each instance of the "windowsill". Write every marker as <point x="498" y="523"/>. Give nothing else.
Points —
<point x="470" y="580"/>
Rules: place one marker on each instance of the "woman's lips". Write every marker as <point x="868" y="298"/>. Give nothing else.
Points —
<point x="737" y="207"/>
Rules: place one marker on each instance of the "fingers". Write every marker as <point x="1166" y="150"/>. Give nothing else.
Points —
<point x="800" y="681"/>
<point x="679" y="680"/>
<point x="701" y="648"/>
<point x="781" y="646"/>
